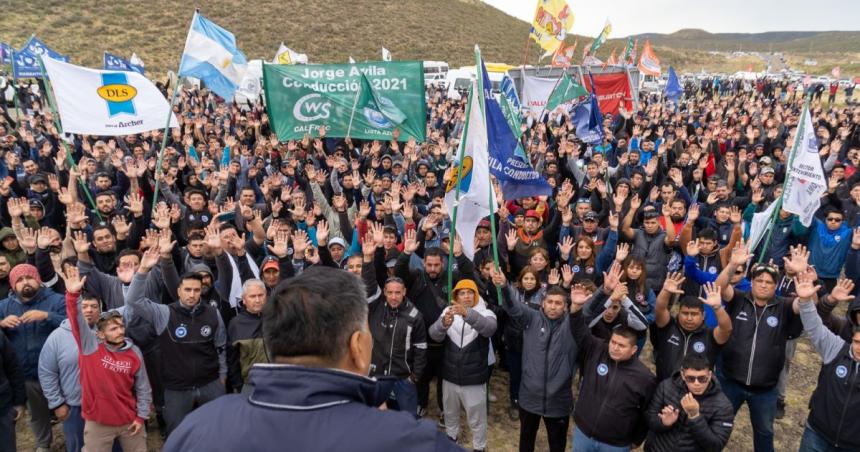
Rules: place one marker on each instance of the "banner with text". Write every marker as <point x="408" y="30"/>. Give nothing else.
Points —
<point x="612" y="90"/>
<point x="301" y="99"/>
<point x="536" y="91"/>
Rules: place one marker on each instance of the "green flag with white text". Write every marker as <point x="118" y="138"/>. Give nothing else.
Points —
<point x="302" y="98"/>
<point x="566" y="91"/>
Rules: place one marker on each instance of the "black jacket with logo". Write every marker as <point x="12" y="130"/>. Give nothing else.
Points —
<point x="755" y="352"/>
<point x="671" y="344"/>
<point x="708" y="432"/>
<point x="613" y="395"/>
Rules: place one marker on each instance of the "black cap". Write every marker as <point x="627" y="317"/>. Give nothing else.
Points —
<point x="39" y="177"/>
<point x="591" y="215"/>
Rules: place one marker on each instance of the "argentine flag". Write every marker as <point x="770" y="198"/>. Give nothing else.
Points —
<point x="212" y="56"/>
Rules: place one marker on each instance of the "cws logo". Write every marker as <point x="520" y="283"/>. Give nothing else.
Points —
<point x="118" y="94"/>
<point x="311" y="107"/>
<point x="464" y="181"/>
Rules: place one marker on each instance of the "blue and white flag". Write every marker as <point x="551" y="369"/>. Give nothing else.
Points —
<point x="116" y="63"/>
<point x="510" y="91"/>
<point x="586" y="117"/>
<point x="97" y="102"/>
<point x="5" y="53"/>
<point x="39" y="48"/>
<point x="805" y="181"/>
<point x="25" y="62"/>
<point x="673" y="87"/>
<point x="211" y="55"/>
<point x="511" y="168"/>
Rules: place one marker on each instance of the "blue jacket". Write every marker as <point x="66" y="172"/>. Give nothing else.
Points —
<point x="305" y="409"/>
<point x="827" y="249"/>
<point x="28" y="338"/>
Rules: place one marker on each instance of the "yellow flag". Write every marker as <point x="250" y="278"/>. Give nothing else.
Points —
<point x="553" y="19"/>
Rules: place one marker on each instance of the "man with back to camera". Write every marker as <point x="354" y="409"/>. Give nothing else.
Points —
<point x="315" y="394"/>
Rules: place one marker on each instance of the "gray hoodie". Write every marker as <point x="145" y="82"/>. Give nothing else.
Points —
<point x="59" y="374"/>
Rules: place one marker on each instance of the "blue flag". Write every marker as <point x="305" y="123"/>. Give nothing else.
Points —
<point x="588" y="119"/>
<point x="211" y="55"/>
<point x="514" y="172"/>
<point x="510" y="91"/>
<point x="5" y="53"/>
<point x="25" y="62"/>
<point x="673" y="87"/>
<point x="116" y="63"/>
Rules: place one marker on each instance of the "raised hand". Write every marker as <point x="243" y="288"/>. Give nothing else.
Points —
<point x="121" y="227"/>
<point x="611" y="279"/>
<point x="693" y="248"/>
<point x="280" y="244"/>
<point x="377" y="234"/>
<point x="566" y="246"/>
<point x="621" y="252"/>
<point x="619" y="292"/>
<point x="842" y="291"/>
<point x="81" y="243"/>
<point x="693" y="212"/>
<point x="741" y="254"/>
<point x="410" y="242"/>
<point x="554" y="277"/>
<point x="566" y="274"/>
<point x="368" y="246"/>
<point x="712" y="295"/>
<point x="578" y="296"/>
<point x="673" y="282"/>
<point x="150" y="259"/>
<point x="805" y="287"/>
<point x="322" y="232"/>
<point x="511" y="239"/>
<point x="213" y="239"/>
<point x="668" y="415"/>
<point x="300" y="244"/>
<point x="27" y="240"/>
<point x="165" y="243"/>
<point x="73" y="280"/>
<point x="855" y="239"/>
<point x="499" y="278"/>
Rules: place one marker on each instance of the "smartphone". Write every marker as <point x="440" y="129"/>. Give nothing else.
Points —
<point x="227" y="216"/>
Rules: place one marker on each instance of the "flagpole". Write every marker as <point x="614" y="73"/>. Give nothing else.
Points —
<point x="158" y="171"/>
<point x="354" y="104"/>
<point x="59" y="126"/>
<point x="797" y="138"/>
<point x="457" y="177"/>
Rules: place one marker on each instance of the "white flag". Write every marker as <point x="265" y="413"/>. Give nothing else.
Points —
<point x="351" y="60"/>
<point x="386" y="54"/>
<point x="759" y="225"/>
<point x="287" y="55"/>
<point x="136" y="60"/>
<point x="806" y="182"/>
<point x="251" y="86"/>
<point x="475" y="191"/>
<point x="96" y="102"/>
<point x="536" y="92"/>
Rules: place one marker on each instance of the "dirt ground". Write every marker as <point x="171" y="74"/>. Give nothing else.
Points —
<point x="504" y="433"/>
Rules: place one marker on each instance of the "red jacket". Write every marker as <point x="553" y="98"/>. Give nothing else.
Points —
<point x="114" y="387"/>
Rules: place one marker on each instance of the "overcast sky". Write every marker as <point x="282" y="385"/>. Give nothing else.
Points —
<point x="724" y="16"/>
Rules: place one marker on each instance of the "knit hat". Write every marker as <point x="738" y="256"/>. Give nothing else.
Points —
<point x="22" y="270"/>
<point x="464" y="284"/>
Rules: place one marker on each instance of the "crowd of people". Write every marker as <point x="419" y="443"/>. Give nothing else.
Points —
<point x="132" y="295"/>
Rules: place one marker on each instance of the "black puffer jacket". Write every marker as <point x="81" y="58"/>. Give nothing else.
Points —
<point x="710" y="431"/>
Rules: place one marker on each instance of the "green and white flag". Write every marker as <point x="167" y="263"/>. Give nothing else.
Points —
<point x="600" y="39"/>
<point x="567" y="90"/>
<point x="301" y="99"/>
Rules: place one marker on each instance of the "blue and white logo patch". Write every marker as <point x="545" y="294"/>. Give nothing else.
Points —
<point x="841" y="371"/>
<point x="205" y="331"/>
<point x="699" y="347"/>
<point x="602" y="369"/>
<point x="576" y="268"/>
<point x="772" y="321"/>
<point x="712" y="270"/>
<point x="181" y="331"/>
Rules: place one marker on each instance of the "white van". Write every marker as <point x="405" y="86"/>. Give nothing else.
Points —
<point x="459" y="79"/>
<point x="435" y="72"/>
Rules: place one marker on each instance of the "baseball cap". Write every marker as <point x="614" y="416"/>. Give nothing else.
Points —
<point x="590" y="216"/>
<point x="270" y="263"/>
<point x="767" y="170"/>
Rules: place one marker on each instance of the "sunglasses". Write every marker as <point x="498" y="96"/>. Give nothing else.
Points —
<point x="834" y="219"/>
<point x="702" y="379"/>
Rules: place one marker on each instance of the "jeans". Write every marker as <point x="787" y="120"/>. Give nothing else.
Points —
<point x="790" y="349"/>
<point x="7" y="430"/>
<point x="762" y="405"/>
<point x="73" y="429"/>
<point x="582" y="443"/>
<point x="556" y="431"/>
<point x="177" y="404"/>
<point x="40" y="414"/>
<point x="514" y="360"/>
<point x="812" y="441"/>
<point x="435" y="354"/>
<point x="405" y="396"/>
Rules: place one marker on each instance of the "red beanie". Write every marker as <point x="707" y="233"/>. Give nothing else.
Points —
<point x="22" y="270"/>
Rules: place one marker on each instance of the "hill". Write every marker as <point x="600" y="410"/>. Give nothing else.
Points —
<point x="333" y="31"/>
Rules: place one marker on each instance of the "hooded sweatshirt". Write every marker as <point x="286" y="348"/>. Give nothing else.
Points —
<point x="59" y="373"/>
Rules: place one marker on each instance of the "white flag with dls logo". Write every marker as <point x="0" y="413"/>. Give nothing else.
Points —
<point x="97" y="102"/>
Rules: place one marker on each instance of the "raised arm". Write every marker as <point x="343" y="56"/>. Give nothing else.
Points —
<point x="157" y="314"/>
<point x="84" y="336"/>
<point x="825" y="341"/>
<point x="724" y="323"/>
<point x="740" y="256"/>
<point x="671" y="287"/>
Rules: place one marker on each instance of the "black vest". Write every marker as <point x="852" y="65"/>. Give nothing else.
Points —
<point x="189" y="355"/>
<point x="836" y="401"/>
<point x="672" y="344"/>
<point x="468" y="365"/>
